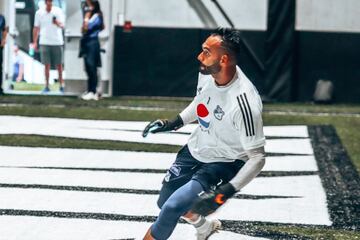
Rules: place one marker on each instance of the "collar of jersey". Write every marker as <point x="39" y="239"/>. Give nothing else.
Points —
<point x="227" y="86"/>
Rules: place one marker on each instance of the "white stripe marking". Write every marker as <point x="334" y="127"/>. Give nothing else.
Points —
<point x="42" y="228"/>
<point x="20" y="124"/>
<point x="291" y="146"/>
<point x="74" y="158"/>
<point x="306" y="210"/>
<point x="84" y="158"/>
<point x="273" y="186"/>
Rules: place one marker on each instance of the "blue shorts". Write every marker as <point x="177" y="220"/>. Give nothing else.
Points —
<point x="186" y="167"/>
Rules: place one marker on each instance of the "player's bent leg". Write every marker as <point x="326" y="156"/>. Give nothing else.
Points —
<point x="204" y="227"/>
<point x="209" y="227"/>
<point x="176" y="206"/>
<point x="148" y="235"/>
<point x="165" y="193"/>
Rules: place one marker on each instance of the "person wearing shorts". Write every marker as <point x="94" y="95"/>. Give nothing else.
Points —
<point x="49" y="24"/>
<point x="226" y="150"/>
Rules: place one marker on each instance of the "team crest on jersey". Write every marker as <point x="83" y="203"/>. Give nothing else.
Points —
<point x="218" y="113"/>
<point x="203" y="116"/>
<point x="175" y="170"/>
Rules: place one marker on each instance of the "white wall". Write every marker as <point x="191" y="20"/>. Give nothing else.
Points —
<point x="328" y="15"/>
<point x="246" y="14"/>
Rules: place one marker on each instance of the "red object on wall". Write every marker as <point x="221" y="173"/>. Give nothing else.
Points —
<point x="127" y="26"/>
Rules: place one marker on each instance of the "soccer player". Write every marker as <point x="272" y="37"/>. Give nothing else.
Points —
<point x="224" y="153"/>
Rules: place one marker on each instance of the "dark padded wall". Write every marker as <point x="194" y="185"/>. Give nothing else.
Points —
<point x="155" y="62"/>
<point x="163" y="61"/>
<point x="256" y="41"/>
<point x="331" y="56"/>
<point x="279" y="50"/>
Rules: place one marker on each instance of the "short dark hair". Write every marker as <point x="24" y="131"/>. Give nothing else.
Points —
<point x="231" y="40"/>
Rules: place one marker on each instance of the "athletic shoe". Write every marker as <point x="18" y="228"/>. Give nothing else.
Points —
<point x="62" y="90"/>
<point x="207" y="229"/>
<point x="90" y="96"/>
<point x="45" y="90"/>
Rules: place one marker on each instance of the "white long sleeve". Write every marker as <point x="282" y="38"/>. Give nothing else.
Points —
<point x="251" y="168"/>
<point x="188" y="115"/>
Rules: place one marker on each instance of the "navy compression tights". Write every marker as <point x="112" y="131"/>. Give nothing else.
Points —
<point x="176" y="206"/>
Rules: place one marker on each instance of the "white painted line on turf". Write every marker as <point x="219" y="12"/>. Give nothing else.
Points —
<point x="77" y="201"/>
<point x="272" y="186"/>
<point x="286" y="131"/>
<point x="301" y="186"/>
<point x="99" y="179"/>
<point x="44" y="228"/>
<point x="290" y="146"/>
<point x="11" y="123"/>
<point x="84" y="158"/>
<point x="88" y="158"/>
<point x="306" y="210"/>
<point x="291" y="163"/>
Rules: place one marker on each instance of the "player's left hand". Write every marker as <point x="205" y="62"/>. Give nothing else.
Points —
<point x="208" y="202"/>
<point x="163" y="125"/>
<point x="159" y="125"/>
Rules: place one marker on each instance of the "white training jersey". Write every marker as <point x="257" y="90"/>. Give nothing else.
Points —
<point x="229" y="117"/>
<point x="50" y="34"/>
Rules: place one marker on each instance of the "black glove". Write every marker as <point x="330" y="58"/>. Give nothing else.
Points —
<point x="163" y="125"/>
<point x="208" y="202"/>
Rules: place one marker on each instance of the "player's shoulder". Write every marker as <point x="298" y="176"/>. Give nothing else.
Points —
<point x="41" y="11"/>
<point x="58" y="9"/>
<point x="246" y="91"/>
<point x="244" y="84"/>
<point x="203" y="81"/>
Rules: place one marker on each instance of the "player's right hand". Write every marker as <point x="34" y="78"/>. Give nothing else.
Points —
<point x="158" y="125"/>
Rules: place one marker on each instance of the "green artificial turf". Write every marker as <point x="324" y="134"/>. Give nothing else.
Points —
<point x="345" y="118"/>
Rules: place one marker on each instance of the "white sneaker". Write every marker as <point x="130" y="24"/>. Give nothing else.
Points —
<point x="207" y="229"/>
<point x="83" y="94"/>
<point x="90" y="96"/>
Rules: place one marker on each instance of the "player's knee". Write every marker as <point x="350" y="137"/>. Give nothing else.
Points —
<point x="174" y="207"/>
<point x="160" y="202"/>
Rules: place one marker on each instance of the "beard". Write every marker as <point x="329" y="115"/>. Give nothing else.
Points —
<point x="212" y="69"/>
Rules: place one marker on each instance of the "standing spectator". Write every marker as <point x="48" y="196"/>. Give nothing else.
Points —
<point x="3" y="35"/>
<point x="90" y="46"/>
<point x="49" y="23"/>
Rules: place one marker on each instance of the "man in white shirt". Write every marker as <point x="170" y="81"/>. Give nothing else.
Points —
<point x="226" y="150"/>
<point x="49" y="23"/>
